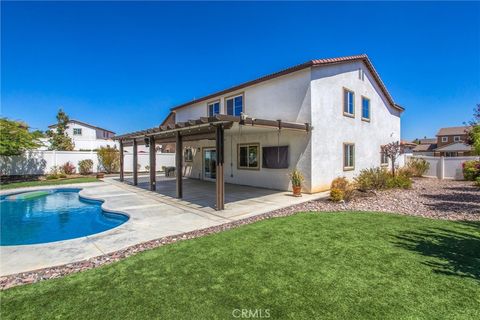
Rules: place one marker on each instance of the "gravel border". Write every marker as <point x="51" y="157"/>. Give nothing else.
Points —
<point x="417" y="201"/>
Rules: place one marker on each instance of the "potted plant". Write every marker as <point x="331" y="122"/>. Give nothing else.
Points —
<point x="297" y="179"/>
<point x="100" y="175"/>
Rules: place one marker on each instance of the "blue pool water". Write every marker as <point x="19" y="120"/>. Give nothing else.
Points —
<point x="61" y="214"/>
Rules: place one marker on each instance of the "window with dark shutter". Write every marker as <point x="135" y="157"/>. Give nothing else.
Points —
<point x="275" y="157"/>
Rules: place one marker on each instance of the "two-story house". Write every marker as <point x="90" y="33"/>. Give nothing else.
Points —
<point x="326" y="118"/>
<point x="451" y="142"/>
<point x="86" y="136"/>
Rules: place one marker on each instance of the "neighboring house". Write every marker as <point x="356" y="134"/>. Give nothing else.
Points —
<point x="328" y="118"/>
<point x="86" y="136"/>
<point x="450" y="142"/>
<point x="425" y="147"/>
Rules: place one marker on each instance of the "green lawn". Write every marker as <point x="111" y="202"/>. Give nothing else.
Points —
<point x="46" y="182"/>
<point x="325" y="266"/>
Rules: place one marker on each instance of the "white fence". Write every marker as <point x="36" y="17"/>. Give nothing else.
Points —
<point x="445" y="167"/>
<point x="41" y="162"/>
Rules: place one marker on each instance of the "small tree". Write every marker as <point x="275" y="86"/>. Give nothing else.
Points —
<point x="109" y="159"/>
<point x="473" y="131"/>
<point x="59" y="140"/>
<point x="16" y="138"/>
<point x="392" y="151"/>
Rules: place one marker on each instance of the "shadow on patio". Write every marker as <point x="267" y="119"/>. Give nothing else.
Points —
<point x="202" y="193"/>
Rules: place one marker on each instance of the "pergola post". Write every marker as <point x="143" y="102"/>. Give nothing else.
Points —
<point x="135" y="163"/>
<point x="152" y="164"/>
<point x="121" y="161"/>
<point x="178" y="163"/>
<point x="220" y="182"/>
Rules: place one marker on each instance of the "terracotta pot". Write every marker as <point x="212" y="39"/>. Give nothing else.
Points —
<point x="297" y="191"/>
<point x="100" y="175"/>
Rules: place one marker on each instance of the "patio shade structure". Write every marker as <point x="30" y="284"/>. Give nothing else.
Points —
<point x="204" y="128"/>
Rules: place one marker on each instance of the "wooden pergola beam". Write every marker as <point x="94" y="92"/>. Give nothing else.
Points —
<point x="121" y="161"/>
<point x="178" y="164"/>
<point x="152" y="164"/>
<point x="135" y="163"/>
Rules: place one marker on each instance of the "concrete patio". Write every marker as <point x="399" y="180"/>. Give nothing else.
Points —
<point x="152" y="215"/>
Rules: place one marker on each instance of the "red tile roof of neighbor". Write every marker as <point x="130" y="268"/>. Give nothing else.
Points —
<point x="308" y="64"/>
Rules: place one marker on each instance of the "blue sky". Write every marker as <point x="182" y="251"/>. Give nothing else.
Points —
<point x="122" y="65"/>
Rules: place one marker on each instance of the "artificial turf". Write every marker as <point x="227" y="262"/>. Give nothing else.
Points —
<point x="310" y="265"/>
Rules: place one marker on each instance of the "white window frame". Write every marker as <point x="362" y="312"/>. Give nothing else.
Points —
<point x="347" y="104"/>
<point x="233" y="98"/>
<point x="444" y="139"/>
<point x="211" y="104"/>
<point x="383" y="159"/>
<point x="248" y="145"/>
<point x="77" y="134"/>
<point x="188" y="156"/>
<point x="350" y="154"/>
<point x="456" y="138"/>
<point x="369" y="109"/>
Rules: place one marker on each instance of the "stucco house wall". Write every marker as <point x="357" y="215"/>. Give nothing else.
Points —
<point x="313" y="95"/>
<point x="332" y="129"/>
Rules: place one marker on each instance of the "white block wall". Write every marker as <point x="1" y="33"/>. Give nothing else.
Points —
<point x="41" y="162"/>
<point x="445" y="167"/>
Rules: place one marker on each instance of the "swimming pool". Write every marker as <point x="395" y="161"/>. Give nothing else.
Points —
<point x="52" y="215"/>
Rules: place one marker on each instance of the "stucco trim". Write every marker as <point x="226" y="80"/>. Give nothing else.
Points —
<point x="343" y="157"/>
<point x="259" y="155"/>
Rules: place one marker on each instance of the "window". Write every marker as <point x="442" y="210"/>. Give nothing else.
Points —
<point x="383" y="159"/>
<point x="77" y="131"/>
<point x="365" y="109"/>
<point x="348" y="102"/>
<point x="348" y="156"/>
<point x="213" y="108"/>
<point x="234" y="105"/>
<point x="248" y="156"/>
<point x="188" y="155"/>
<point x="275" y="157"/>
<point x="451" y="154"/>
<point x="456" y="138"/>
<point x="444" y="139"/>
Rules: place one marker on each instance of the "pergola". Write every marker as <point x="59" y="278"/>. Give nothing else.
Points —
<point x="205" y="128"/>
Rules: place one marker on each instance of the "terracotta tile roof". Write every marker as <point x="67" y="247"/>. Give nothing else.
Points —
<point x="452" y="130"/>
<point x="455" y="146"/>
<point x="308" y="64"/>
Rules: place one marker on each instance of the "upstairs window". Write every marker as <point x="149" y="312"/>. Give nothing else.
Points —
<point x="365" y="109"/>
<point x="348" y="156"/>
<point x="77" y="131"/>
<point x="456" y="138"/>
<point x="234" y="105"/>
<point x="444" y="139"/>
<point x="248" y="156"/>
<point x="348" y="103"/>
<point x="213" y="108"/>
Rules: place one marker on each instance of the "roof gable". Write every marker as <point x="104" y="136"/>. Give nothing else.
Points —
<point x="83" y="124"/>
<point x="308" y="64"/>
<point x="452" y="131"/>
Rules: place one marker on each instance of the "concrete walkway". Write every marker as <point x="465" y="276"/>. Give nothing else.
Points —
<point x="152" y="215"/>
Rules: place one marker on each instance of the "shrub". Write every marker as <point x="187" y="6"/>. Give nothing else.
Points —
<point x="471" y="170"/>
<point x="336" y="195"/>
<point x="109" y="159"/>
<point x="67" y="168"/>
<point x="400" y="180"/>
<point x="417" y="167"/>
<point x="52" y="176"/>
<point x="341" y="189"/>
<point x="85" y="166"/>
<point x="477" y="182"/>
<point x="62" y="175"/>
<point x="372" y="179"/>
<point x="147" y="167"/>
